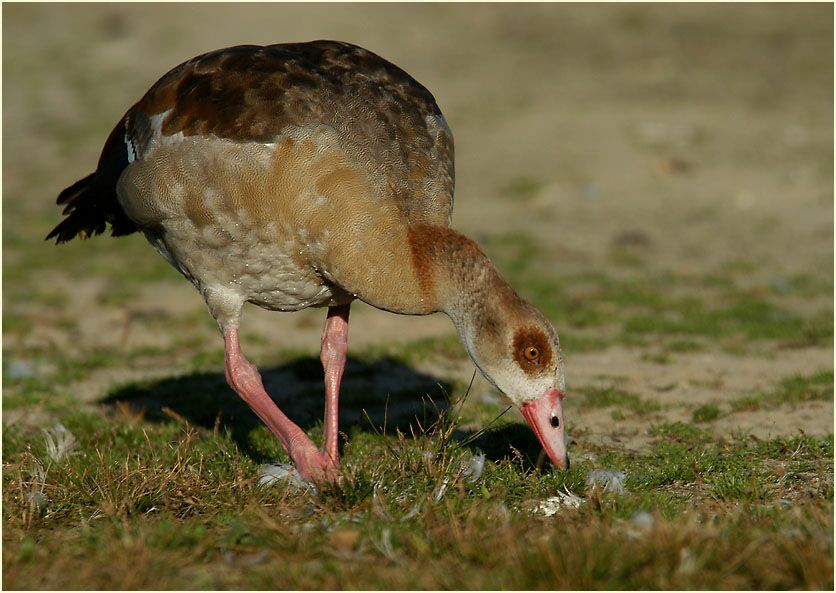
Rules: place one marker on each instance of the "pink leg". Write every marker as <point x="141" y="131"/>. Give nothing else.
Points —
<point x="244" y="378"/>
<point x="332" y="355"/>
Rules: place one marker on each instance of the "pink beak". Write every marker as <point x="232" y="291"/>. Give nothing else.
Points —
<point x="545" y="416"/>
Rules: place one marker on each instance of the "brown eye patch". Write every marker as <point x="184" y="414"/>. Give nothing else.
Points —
<point x="531" y="349"/>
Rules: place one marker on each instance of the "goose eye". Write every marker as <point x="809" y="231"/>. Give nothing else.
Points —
<point x="532" y="350"/>
<point x="531" y="353"/>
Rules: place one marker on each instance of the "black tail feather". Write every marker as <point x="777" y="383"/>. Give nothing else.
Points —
<point x="83" y="217"/>
<point x="86" y="215"/>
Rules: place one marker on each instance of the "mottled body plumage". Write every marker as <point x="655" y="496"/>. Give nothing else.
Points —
<point x="245" y="166"/>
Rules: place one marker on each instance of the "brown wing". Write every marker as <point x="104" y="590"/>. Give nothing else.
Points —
<point x="389" y="121"/>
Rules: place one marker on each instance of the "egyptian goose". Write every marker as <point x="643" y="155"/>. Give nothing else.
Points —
<point x="309" y="175"/>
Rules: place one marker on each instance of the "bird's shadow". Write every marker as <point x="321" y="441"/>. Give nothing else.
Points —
<point x="376" y="395"/>
<point x="510" y="440"/>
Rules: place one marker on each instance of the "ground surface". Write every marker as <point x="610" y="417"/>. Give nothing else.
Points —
<point x="657" y="179"/>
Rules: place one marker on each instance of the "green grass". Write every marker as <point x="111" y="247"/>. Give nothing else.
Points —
<point x="791" y="391"/>
<point x="166" y="504"/>
<point x="680" y="432"/>
<point x="607" y="397"/>
<point x="706" y="413"/>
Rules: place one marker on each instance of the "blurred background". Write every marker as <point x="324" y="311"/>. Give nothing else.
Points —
<point x="623" y="164"/>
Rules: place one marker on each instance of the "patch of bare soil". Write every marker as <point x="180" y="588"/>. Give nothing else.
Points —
<point x="693" y="379"/>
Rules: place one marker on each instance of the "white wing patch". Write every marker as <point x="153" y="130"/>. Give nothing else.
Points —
<point x="156" y="122"/>
<point x="131" y="148"/>
<point x="144" y="134"/>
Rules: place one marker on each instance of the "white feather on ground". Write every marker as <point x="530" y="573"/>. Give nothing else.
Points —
<point x="271" y="473"/>
<point x="607" y="480"/>
<point x="59" y="442"/>
<point x="555" y="504"/>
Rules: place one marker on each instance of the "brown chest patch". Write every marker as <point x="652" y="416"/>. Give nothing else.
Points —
<point x="428" y="244"/>
<point x="532" y="349"/>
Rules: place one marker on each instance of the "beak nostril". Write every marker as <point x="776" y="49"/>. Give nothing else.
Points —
<point x="555" y="422"/>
